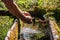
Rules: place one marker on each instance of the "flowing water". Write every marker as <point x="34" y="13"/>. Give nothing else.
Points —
<point x="28" y="33"/>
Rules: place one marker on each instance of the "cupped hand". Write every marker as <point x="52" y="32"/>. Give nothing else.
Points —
<point x="27" y="18"/>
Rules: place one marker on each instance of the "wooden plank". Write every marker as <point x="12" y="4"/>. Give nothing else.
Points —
<point x="13" y="32"/>
<point x="54" y="28"/>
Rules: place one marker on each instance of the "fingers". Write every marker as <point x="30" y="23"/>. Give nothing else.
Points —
<point x="28" y="19"/>
<point x="27" y="14"/>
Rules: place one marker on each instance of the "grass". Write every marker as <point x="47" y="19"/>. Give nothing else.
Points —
<point x="5" y="24"/>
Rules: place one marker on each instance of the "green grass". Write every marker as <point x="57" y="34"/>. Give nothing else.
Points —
<point x="5" y="24"/>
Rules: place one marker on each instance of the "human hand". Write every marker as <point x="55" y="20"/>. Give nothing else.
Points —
<point x="27" y="18"/>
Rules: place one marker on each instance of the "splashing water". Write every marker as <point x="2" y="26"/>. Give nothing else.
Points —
<point x="28" y="33"/>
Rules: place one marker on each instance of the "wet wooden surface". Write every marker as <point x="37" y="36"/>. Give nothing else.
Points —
<point x="54" y="28"/>
<point x="13" y="32"/>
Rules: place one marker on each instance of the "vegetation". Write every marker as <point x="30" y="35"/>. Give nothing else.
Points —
<point x="5" y="24"/>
